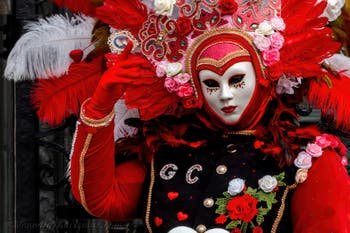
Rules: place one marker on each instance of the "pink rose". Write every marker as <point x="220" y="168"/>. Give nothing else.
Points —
<point x="322" y="141"/>
<point x="185" y="90"/>
<point x="286" y="85"/>
<point x="182" y="78"/>
<point x="314" y="150"/>
<point x="262" y="42"/>
<point x="271" y="56"/>
<point x="171" y="85"/>
<point x="277" y="40"/>
<point x="334" y="143"/>
<point x="277" y="23"/>
<point x="303" y="160"/>
<point x="161" y="69"/>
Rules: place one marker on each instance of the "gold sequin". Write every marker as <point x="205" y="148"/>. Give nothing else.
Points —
<point x="208" y="202"/>
<point x="201" y="228"/>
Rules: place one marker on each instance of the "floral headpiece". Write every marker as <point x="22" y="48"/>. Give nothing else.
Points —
<point x="291" y="38"/>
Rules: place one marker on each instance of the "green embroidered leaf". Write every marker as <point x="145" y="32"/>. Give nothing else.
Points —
<point x="227" y="195"/>
<point x="280" y="177"/>
<point x="260" y="219"/>
<point x="269" y="198"/>
<point x="221" y="201"/>
<point x="233" y="224"/>
<point x="260" y="216"/>
<point x="221" y="209"/>
<point x="252" y="192"/>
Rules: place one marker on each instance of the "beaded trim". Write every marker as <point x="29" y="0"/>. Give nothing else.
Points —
<point x="93" y="122"/>
<point x="149" y="198"/>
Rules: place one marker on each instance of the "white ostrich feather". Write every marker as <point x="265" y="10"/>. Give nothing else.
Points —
<point x="339" y="63"/>
<point x="121" y="114"/>
<point x="43" y="51"/>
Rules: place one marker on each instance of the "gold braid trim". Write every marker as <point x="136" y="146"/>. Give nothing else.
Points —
<point x="282" y="207"/>
<point x="224" y="60"/>
<point x="82" y="172"/>
<point x="240" y="132"/>
<point x="95" y="122"/>
<point x="149" y="199"/>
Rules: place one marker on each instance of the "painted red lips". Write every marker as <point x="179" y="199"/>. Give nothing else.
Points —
<point x="229" y="109"/>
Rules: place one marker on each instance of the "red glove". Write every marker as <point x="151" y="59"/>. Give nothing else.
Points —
<point x="125" y="68"/>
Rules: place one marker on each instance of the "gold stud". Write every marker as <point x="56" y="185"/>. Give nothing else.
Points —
<point x="201" y="228"/>
<point x="221" y="169"/>
<point x="208" y="202"/>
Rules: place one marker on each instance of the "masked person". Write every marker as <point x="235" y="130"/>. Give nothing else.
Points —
<point x="218" y="146"/>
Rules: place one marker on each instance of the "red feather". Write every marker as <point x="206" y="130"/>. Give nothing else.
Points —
<point x="84" y="6"/>
<point x="308" y="40"/>
<point x="124" y="15"/>
<point x="57" y="98"/>
<point x="333" y="101"/>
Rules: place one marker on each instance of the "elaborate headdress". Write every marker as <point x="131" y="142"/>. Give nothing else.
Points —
<point x="288" y="42"/>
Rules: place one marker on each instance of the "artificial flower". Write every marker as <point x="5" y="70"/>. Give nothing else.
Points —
<point x="264" y="29"/>
<point x="182" y="78"/>
<point x="322" y="141"/>
<point x="185" y="90"/>
<point x="261" y="42"/>
<point x="303" y="160"/>
<point x="164" y="7"/>
<point x="183" y="26"/>
<point x="171" y="85"/>
<point x="235" y="186"/>
<point x="314" y="150"/>
<point x="242" y="208"/>
<point x="221" y="219"/>
<point x="228" y="7"/>
<point x="333" y="9"/>
<point x="277" y="40"/>
<point x="257" y="229"/>
<point x="173" y="69"/>
<point x="271" y="56"/>
<point x="236" y="230"/>
<point x="277" y="23"/>
<point x="267" y="183"/>
<point x="286" y="85"/>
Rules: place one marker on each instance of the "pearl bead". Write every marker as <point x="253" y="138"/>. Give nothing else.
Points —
<point x="221" y="169"/>
<point x="208" y="202"/>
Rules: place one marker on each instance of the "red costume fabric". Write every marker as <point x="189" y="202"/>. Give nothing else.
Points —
<point x="320" y="204"/>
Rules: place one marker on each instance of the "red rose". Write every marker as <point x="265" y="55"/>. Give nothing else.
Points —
<point x="228" y="7"/>
<point x="183" y="26"/>
<point x="242" y="208"/>
<point x="258" y="229"/>
<point x="221" y="219"/>
<point x="236" y="230"/>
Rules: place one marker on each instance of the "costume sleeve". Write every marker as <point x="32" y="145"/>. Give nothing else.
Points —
<point x="322" y="202"/>
<point x="105" y="190"/>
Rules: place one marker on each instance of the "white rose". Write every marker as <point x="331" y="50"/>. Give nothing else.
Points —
<point x="265" y="29"/>
<point x="235" y="186"/>
<point x="268" y="183"/>
<point x="303" y="160"/>
<point x="173" y="69"/>
<point x="333" y="9"/>
<point x="164" y="7"/>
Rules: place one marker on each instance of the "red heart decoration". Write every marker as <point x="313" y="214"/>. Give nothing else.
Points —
<point x="181" y="216"/>
<point x="76" y="55"/>
<point x="158" y="221"/>
<point x="173" y="195"/>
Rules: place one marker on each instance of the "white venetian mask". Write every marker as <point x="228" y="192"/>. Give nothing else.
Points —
<point x="228" y="95"/>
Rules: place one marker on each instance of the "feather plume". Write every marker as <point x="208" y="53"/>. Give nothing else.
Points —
<point x="333" y="101"/>
<point x="57" y="98"/>
<point x="43" y="51"/>
<point x="84" y="6"/>
<point x="124" y="15"/>
<point x="121" y="114"/>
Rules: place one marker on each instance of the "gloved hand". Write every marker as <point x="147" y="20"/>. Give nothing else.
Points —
<point x="123" y="70"/>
